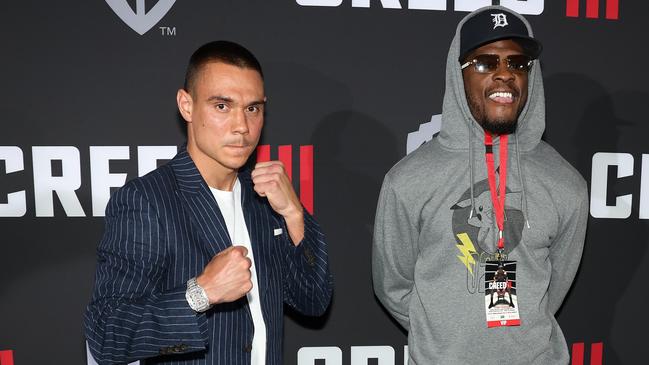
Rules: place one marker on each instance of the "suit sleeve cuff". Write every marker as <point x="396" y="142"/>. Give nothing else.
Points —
<point x="303" y="252"/>
<point x="181" y="314"/>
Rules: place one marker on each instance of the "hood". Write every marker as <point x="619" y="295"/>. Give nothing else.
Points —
<point x="459" y="128"/>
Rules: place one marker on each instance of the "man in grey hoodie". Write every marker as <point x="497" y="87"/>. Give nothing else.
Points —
<point x="473" y="269"/>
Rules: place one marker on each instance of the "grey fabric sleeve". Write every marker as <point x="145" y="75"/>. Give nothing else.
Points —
<point x="567" y="247"/>
<point x="393" y="255"/>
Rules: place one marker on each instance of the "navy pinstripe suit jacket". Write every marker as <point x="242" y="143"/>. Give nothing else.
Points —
<point x="161" y="230"/>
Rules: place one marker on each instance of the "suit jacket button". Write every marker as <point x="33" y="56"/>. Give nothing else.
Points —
<point x="183" y="347"/>
<point x="247" y="348"/>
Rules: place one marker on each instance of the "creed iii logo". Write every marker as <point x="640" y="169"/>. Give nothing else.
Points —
<point x="140" y="20"/>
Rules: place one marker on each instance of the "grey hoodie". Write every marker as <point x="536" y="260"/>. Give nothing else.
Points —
<point x="432" y="282"/>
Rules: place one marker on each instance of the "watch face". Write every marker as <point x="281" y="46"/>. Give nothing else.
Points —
<point x="196" y="296"/>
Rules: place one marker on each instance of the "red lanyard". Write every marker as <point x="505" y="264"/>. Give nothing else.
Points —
<point x="497" y="200"/>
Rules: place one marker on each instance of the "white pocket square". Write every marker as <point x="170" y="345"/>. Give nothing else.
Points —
<point x="277" y="231"/>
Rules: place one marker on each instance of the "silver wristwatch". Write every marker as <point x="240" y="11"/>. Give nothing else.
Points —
<point x="196" y="296"/>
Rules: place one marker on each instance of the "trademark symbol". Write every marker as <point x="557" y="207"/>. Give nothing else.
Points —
<point x="168" y="31"/>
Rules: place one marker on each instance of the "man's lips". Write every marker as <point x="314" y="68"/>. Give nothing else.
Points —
<point x="237" y="150"/>
<point x="502" y="96"/>
<point x="237" y="146"/>
<point x="238" y="143"/>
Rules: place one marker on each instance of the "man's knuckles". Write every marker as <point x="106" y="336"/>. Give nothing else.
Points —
<point x="266" y="164"/>
<point x="277" y="169"/>
<point x="269" y="187"/>
<point x="246" y="263"/>
<point x="267" y="178"/>
<point x="239" y="251"/>
<point x="247" y="286"/>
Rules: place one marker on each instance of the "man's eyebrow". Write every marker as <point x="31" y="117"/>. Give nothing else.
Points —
<point x="257" y="102"/>
<point x="219" y="98"/>
<point x="227" y="99"/>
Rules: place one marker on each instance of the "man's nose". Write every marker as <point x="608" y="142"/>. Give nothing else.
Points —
<point x="503" y="72"/>
<point x="240" y="122"/>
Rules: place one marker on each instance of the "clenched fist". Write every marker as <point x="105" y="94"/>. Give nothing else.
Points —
<point x="271" y="181"/>
<point x="226" y="277"/>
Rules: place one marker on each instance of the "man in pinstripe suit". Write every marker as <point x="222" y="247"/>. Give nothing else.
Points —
<point x="199" y="257"/>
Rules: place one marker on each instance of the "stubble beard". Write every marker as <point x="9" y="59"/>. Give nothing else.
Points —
<point x="493" y="126"/>
<point x="499" y="126"/>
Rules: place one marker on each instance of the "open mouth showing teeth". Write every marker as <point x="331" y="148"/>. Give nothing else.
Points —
<point x="502" y="97"/>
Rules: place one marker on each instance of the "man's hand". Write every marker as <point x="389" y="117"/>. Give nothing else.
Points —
<point x="227" y="276"/>
<point x="271" y="181"/>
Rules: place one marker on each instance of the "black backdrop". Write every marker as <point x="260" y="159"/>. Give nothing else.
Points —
<point x="351" y="79"/>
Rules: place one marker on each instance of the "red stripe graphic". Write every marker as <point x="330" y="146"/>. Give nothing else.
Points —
<point x="592" y="9"/>
<point x="6" y="357"/>
<point x="306" y="177"/>
<point x="578" y="353"/>
<point x="285" y="154"/>
<point x="572" y="8"/>
<point x="263" y="153"/>
<point x="596" y="351"/>
<point x="612" y="9"/>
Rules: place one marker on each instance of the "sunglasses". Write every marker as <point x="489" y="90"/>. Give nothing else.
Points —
<point x="486" y="63"/>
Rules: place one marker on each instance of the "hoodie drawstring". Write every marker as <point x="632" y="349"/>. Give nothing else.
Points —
<point x="472" y="182"/>
<point x="520" y="175"/>
<point x="518" y="167"/>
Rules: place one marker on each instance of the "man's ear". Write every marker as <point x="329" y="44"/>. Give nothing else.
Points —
<point x="185" y="104"/>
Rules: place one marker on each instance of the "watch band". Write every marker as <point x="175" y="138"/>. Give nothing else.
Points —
<point x="196" y="296"/>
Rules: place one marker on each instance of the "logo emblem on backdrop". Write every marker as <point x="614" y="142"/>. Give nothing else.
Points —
<point x="139" y="20"/>
<point x="500" y="20"/>
<point x="425" y="133"/>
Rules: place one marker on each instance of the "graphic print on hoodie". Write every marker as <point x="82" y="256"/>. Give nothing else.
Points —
<point x="477" y="233"/>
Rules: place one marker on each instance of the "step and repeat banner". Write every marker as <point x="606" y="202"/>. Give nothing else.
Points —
<point x="88" y="102"/>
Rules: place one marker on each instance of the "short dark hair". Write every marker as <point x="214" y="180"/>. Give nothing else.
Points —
<point x="220" y="51"/>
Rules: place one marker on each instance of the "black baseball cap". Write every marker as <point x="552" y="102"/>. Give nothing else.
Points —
<point x="493" y="24"/>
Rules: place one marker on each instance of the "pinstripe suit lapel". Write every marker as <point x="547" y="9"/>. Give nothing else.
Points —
<point x="200" y="205"/>
<point x="253" y="212"/>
